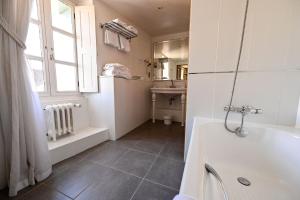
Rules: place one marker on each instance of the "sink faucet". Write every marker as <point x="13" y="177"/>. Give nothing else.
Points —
<point x="244" y="110"/>
<point x="172" y="86"/>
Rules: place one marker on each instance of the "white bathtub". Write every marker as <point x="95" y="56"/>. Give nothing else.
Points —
<point x="269" y="157"/>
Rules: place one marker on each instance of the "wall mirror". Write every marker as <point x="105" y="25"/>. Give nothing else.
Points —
<point x="171" y="59"/>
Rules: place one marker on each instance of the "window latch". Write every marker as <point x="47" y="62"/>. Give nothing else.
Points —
<point x="52" y="57"/>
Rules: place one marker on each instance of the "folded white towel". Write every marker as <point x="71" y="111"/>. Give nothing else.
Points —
<point x="120" y="22"/>
<point x="116" y="69"/>
<point x="117" y="73"/>
<point x="132" y="29"/>
<point x="111" y="38"/>
<point x="124" y="44"/>
<point x="115" y="66"/>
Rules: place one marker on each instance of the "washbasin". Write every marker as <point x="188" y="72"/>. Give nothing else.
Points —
<point x="168" y="90"/>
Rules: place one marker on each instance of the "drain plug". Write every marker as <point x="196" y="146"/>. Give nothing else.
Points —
<point x="244" y="181"/>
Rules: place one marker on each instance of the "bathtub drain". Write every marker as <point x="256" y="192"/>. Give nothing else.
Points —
<point x="244" y="181"/>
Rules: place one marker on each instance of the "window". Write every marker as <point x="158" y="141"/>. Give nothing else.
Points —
<point x="34" y="52"/>
<point x="51" y="47"/>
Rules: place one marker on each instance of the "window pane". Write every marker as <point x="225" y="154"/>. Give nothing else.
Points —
<point x="34" y="12"/>
<point x="61" y="16"/>
<point x="38" y="74"/>
<point x="33" y="41"/>
<point x="64" y="49"/>
<point x="65" y="77"/>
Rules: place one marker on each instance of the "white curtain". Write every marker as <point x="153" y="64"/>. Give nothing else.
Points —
<point x="24" y="156"/>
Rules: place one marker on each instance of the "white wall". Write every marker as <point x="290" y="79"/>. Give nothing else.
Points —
<point x="101" y="106"/>
<point x="140" y="46"/>
<point x="121" y="106"/>
<point x="132" y="104"/>
<point x="270" y="60"/>
<point x="108" y="107"/>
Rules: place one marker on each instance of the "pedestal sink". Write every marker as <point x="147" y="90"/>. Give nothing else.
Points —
<point x="181" y="91"/>
<point x="169" y="90"/>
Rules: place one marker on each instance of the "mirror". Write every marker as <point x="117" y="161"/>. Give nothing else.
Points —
<point x="171" y="59"/>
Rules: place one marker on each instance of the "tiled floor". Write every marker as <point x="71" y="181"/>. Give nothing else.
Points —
<point x="146" y="164"/>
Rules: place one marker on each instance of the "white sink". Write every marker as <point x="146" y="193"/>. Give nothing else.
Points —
<point x="168" y="90"/>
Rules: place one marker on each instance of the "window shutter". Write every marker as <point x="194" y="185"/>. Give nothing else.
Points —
<point x="86" y="48"/>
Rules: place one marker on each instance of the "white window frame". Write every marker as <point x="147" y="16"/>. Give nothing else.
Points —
<point x="43" y="58"/>
<point x="47" y="46"/>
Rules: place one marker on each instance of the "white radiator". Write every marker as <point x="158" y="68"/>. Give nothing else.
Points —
<point x="60" y="120"/>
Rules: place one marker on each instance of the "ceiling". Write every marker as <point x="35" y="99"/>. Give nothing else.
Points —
<point x="173" y="17"/>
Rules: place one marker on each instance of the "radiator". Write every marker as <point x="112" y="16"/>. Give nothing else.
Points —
<point x="59" y="119"/>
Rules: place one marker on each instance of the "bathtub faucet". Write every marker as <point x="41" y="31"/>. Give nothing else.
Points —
<point x="244" y="110"/>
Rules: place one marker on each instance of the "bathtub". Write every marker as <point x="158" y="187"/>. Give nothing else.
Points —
<point x="269" y="157"/>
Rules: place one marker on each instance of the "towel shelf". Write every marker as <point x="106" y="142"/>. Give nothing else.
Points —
<point x="117" y="28"/>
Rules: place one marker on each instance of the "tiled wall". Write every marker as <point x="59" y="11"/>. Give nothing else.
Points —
<point x="270" y="64"/>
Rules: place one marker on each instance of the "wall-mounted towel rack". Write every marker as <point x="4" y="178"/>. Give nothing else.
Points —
<point x="117" y="28"/>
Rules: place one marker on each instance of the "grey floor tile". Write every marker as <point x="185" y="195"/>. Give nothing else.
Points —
<point x="166" y="172"/>
<point x="127" y="142"/>
<point x="73" y="161"/>
<point x="115" y="185"/>
<point x="173" y="151"/>
<point x="73" y="181"/>
<point x="66" y="164"/>
<point x="21" y="193"/>
<point x="107" y="153"/>
<point x="149" y="147"/>
<point x="44" y="192"/>
<point x="89" y="176"/>
<point x="134" y="162"/>
<point x="150" y="191"/>
<point x="176" y="136"/>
